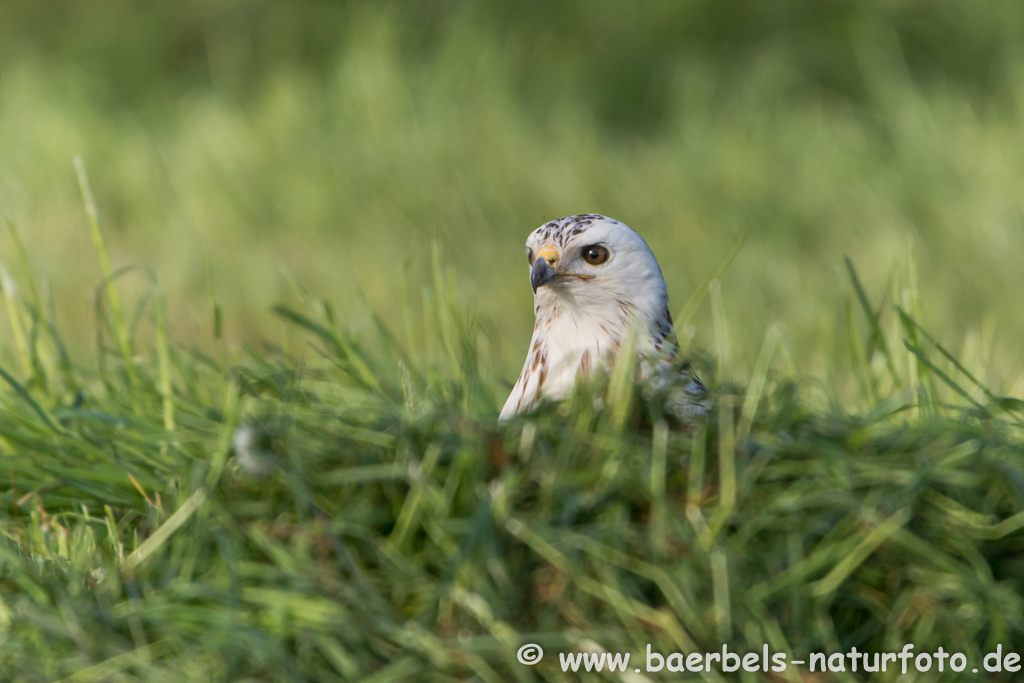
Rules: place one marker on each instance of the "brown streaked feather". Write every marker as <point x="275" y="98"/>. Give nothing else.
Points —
<point x="585" y="362"/>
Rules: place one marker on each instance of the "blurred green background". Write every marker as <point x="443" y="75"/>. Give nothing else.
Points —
<point x="231" y="142"/>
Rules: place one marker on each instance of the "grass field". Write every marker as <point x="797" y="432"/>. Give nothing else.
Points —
<point x="258" y="334"/>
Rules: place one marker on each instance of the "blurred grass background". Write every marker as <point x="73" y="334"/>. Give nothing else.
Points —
<point x="208" y="509"/>
<point x="229" y="142"/>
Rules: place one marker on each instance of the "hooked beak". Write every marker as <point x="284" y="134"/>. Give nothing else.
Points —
<point x="541" y="273"/>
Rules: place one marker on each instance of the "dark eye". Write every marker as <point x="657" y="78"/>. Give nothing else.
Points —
<point x="530" y="256"/>
<point x="595" y="254"/>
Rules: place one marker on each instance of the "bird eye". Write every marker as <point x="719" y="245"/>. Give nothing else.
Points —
<point x="595" y="254"/>
<point x="530" y="256"/>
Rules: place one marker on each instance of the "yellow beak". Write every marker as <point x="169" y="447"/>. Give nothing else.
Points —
<point x="549" y="254"/>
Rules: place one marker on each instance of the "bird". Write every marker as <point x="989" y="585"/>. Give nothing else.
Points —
<point x="595" y="281"/>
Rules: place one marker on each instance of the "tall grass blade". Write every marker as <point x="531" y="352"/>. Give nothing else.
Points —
<point x="858" y="358"/>
<point x="24" y="263"/>
<point x="117" y="314"/>
<point x="659" y="451"/>
<point x="877" y="335"/>
<point x="59" y="349"/>
<point x="697" y="295"/>
<point x="721" y="330"/>
<point x="231" y="416"/>
<point x="163" y="358"/>
<point x="621" y="385"/>
<point x="14" y="314"/>
<point x="998" y="400"/>
<point x="923" y="359"/>
<point x="757" y="382"/>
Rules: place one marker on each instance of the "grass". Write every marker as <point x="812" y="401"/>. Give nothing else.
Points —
<point x="340" y="142"/>
<point x="375" y="523"/>
<point x="211" y="472"/>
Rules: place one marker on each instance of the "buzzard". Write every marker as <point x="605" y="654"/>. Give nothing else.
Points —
<point x="595" y="282"/>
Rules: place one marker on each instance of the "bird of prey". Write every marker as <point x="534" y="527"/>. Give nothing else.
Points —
<point x="595" y="281"/>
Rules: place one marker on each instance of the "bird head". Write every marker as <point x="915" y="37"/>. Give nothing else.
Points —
<point x="597" y="289"/>
<point x="591" y="261"/>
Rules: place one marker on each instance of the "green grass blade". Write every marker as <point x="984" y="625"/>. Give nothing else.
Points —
<point x="919" y="354"/>
<point x="721" y="330"/>
<point x="850" y="562"/>
<point x="164" y="359"/>
<point x="25" y="396"/>
<point x="877" y="335"/>
<point x="352" y="360"/>
<point x="165" y="530"/>
<point x="998" y="400"/>
<point x="701" y="291"/>
<point x="119" y="321"/>
<point x="858" y="358"/>
<point x="757" y="382"/>
<point x="14" y="314"/>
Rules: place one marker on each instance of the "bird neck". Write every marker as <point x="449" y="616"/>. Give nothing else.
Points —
<point x="578" y="338"/>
